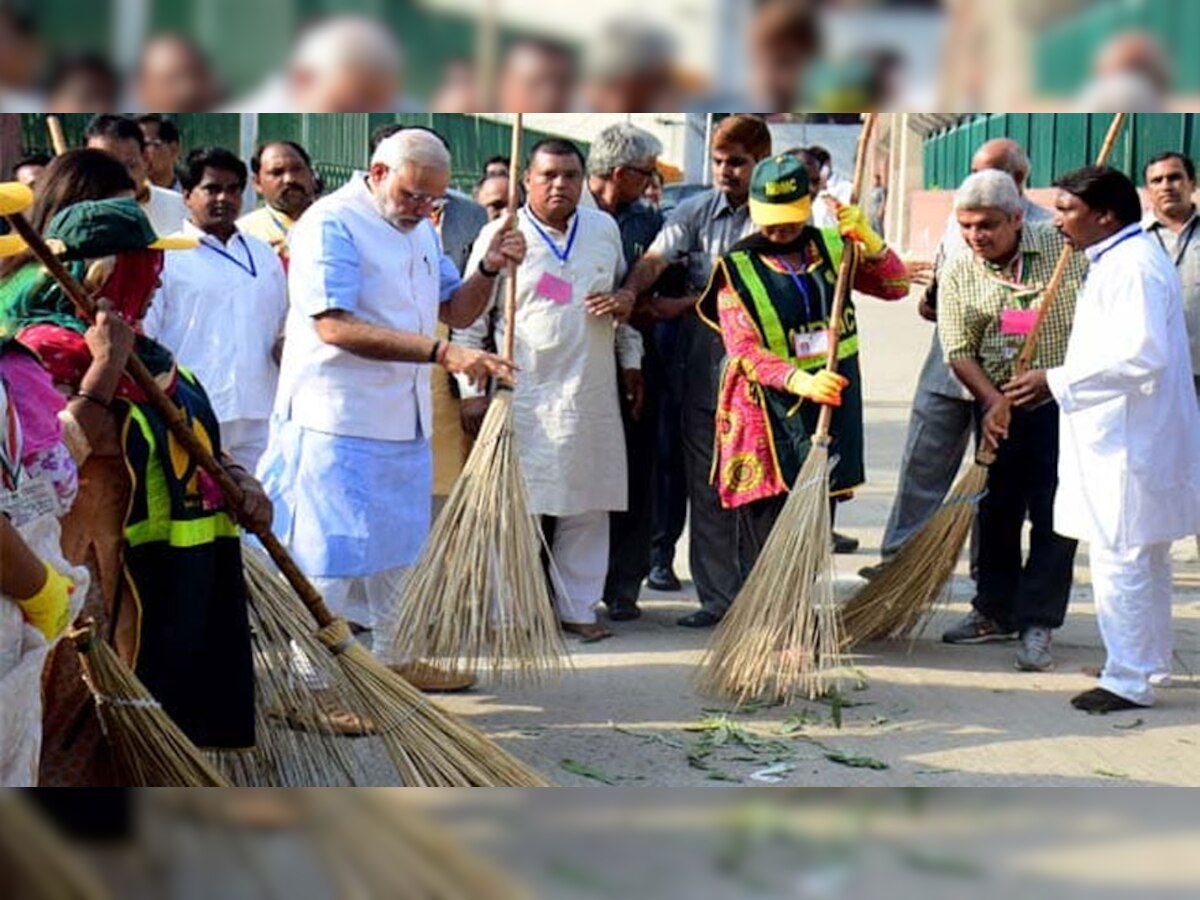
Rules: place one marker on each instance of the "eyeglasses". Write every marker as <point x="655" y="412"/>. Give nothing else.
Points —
<point x="419" y="200"/>
<point x="645" y="173"/>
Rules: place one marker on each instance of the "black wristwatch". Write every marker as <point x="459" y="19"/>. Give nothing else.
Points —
<point x="485" y="271"/>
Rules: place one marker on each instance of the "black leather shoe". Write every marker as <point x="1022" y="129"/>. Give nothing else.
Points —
<point x="661" y="578"/>
<point x="623" y="610"/>
<point x="844" y="544"/>
<point x="699" y="619"/>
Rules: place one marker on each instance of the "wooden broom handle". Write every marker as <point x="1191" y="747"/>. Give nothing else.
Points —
<point x="510" y="281"/>
<point x="57" y="140"/>
<point x="845" y="273"/>
<point x="1025" y="360"/>
<point x="203" y="457"/>
<point x="987" y="453"/>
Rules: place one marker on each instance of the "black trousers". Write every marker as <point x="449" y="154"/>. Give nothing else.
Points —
<point x="669" y="501"/>
<point x="1017" y="592"/>
<point x="631" y="531"/>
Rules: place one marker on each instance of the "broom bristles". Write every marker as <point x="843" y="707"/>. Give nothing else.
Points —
<point x="902" y="597"/>
<point x="477" y="598"/>
<point x="780" y="637"/>
<point x="296" y="745"/>
<point x="36" y="860"/>
<point x="428" y="746"/>
<point x="150" y="749"/>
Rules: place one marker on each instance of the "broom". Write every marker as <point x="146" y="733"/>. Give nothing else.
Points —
<point x="58" y="140"/>
<point x="428" y="746"/>
<point x="781" y="634"/>
<point x="149" y="747"/>
<point x="478" y="594"/>
<point x="901" y="597"/>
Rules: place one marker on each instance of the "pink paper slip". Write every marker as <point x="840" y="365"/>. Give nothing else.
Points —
<point x="554" y="288"/>
<point x="1018" y="322"/>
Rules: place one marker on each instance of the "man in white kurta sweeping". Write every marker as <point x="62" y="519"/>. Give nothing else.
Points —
<point x="570" y="435"/>
<point x="349" y="464"/>
<point x="1129" y="467"/>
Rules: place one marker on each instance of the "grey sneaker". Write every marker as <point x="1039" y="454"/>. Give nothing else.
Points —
<point x="1034" y="653"/>
<point x="976" y="628"/>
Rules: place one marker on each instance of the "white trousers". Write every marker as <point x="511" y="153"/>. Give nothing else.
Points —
<point x="372" y="601"/>
<point x="579" y="549"/>
<point x="246" y="441"/>
<point x="1132" y="590"/>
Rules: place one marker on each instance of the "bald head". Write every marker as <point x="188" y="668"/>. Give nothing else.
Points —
<point x="1003" y="154"/>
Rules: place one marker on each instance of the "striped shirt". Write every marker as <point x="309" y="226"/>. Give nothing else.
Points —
<point x="974" y="293"/>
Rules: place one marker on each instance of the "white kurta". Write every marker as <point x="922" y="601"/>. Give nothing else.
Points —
<point x="1129" y="459"/>
<point x="570" y="436"/>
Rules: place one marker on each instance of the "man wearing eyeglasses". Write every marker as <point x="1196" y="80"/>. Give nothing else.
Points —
<point x="619" y="166"/>
<point x="349" y="460"/>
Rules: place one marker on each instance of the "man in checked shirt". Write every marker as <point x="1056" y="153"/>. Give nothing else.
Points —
<point x="988" y="302"/>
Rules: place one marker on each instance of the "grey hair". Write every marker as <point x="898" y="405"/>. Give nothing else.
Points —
<point x="621" y="144"/>
<point x="989" y="189"/>
<point x="415" y="146"/>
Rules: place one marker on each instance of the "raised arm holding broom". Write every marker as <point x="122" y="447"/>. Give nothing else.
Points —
<point x="780" y="635"/>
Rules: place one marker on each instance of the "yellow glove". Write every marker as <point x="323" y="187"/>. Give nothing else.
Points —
<point x="853" y="225"/>
<point x="49" y="609"/>
<point x="825" y="387"/>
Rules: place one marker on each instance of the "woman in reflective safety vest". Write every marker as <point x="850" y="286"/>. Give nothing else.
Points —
<point x="154" y="529"/>
<point x="770" y="297"/>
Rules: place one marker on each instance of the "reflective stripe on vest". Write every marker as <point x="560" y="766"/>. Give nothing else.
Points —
<point x="772" y="327"/>
<point x="158" y="526"/>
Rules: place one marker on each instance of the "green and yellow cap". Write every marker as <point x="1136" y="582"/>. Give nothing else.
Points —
<point x="779" y="192"/>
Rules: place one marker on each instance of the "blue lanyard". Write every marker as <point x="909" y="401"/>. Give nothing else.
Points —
<point x="248" y="267"/>
<point x="1117" y="244"/>
<point x="1185" y="240"/>
<point x="563" y="256"/>
<point x="802" y="287"/>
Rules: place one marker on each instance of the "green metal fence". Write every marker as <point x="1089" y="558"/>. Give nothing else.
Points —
<point x="1059" y="142"/>
<point x="1063" y="52"/>
<point x="338" y="143"/>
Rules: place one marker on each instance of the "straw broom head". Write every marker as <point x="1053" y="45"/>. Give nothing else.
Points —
<point x="150" y="748"/>
<point x="429" y="747"/>
<point x="780" y="638"/>
<point x="900" y="599"/>
<point x="296" y="744"/>
<point x="478" y="597"/>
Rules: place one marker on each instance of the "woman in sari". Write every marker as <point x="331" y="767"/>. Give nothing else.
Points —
<point x="771" y="298"/>
<point x="152" y="528"/>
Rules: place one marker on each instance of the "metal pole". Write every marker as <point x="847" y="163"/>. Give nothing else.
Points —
<point x="708" y="130"/>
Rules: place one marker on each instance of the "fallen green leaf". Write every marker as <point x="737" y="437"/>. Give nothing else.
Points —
<point x="1109" y="773"/>
<point x="1129" y="726"/>
<point x="942" y="865"/>
<point x="583" y="770"/>
<point x="856" y="762"/>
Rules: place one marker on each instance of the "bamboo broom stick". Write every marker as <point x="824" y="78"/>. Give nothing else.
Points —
<point x="57" y="139"/>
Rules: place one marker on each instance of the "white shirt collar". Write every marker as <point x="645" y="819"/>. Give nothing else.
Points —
<point x="1096" y="251"/>
<point x="192" y="230"/>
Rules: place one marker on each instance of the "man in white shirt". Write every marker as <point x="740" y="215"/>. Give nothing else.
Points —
<point x="222" y="309"/>
<point x="349" y="462"/>
<point x="120" y="136"/>
<point x="1129" y="465"/>
<point x="566" y="408"/>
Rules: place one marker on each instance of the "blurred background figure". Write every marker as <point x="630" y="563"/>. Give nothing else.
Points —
<point x="1131" y="73"/>
<point x="286" y="182"/>
<point x="86" y="83"/>
<point x="120" y="137"/>
<point x="173" y="75"/>
<point x="341" y="64"/>
<point x="457" y="92"/>
<point x="20" y="61"/>
<point x="162" y="149"/>
<point x="630" y="67"/>
<point x="491" y="192"/>
<point x="29" y="168"/>
<point x="783" y="38"/>
<point x="536" y="76"/>
<point x="496" y="165"/>
<point x="654" y="190"/>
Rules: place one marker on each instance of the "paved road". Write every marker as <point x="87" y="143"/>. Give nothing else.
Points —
<point x="932" y="714"/>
